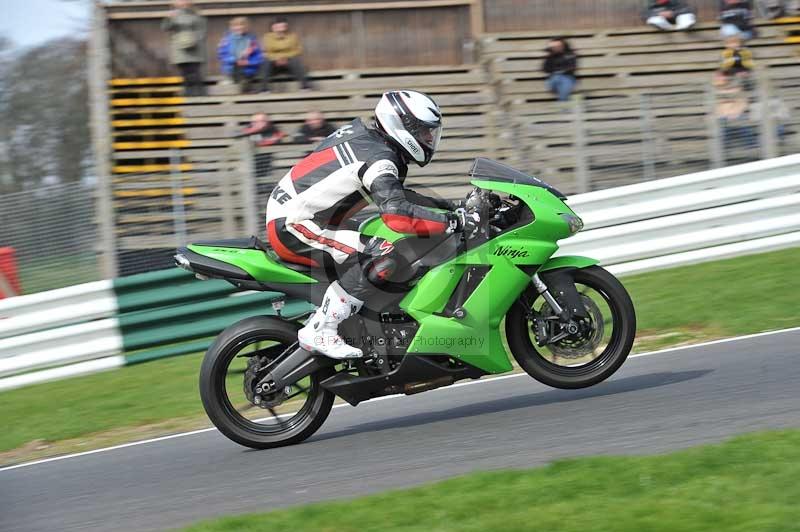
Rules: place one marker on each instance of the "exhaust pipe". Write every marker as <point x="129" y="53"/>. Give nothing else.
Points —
<point x="182" y="262"/>
<point x="419" y="387"/>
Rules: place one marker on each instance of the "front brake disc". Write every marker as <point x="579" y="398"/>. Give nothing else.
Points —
<point x="588" y="337"/>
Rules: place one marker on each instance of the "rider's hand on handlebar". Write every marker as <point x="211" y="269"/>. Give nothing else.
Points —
<point x="465" y="222"/>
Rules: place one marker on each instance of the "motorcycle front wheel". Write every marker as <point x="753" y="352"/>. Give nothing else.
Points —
<point x="229" y="376"/>
<point x="580" y="360"/>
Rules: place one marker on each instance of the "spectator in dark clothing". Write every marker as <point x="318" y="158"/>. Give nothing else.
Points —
<point x="315" y="128"/>
<point x="669" y="15"/>
<point x="560" y="65"/>
<point x="736" y="17"/>
<point x="239" y="54"/>
<point x="187" y="36"/>
<point x="284" y="50"/>
<point x="262" y="132"/>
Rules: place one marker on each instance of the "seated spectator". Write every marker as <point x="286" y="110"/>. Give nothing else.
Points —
<point x="283" y="49"/>
<point x="239" y="54"/>
<point x="736" y="59"/>
<point x="670" y="15"/>
<point x="187" y="38"/>
<point x="315" y="128"/>
<point x="262" y="131"/>
<point x="736" y="17"/>
<point x="560" y="65"/>
<point x="733" y="111"/>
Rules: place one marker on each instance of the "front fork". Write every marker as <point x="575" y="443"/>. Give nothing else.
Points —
<point x="541" y="287"/>
<point x="562" y="283"/>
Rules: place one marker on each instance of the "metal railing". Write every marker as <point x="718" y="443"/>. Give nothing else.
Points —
<point x="592" y="143"/>
<point x="53" y="235"/>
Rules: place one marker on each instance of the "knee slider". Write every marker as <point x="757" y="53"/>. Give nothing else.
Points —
<point x="381" y="261"/>
<point x="381" y="269"/>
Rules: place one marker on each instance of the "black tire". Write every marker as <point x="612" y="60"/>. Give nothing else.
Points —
<point x="222" y="413"/>
<point x="609" y="361"/>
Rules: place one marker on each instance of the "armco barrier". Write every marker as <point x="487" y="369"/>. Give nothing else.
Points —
<point x="693" y="218"/>
<point x="149" y="316"/>
<point x="56" y="308"/>
<point x="710" y="215"/>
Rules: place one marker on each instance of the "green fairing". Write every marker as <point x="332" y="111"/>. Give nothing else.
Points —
<point x="568" y="261"/>
<point x="255" y="262"/>
<point x="476" y="338"/>
<point x="431" y="293"/>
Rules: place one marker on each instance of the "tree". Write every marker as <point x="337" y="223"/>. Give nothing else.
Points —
<point x="44" y="113"/>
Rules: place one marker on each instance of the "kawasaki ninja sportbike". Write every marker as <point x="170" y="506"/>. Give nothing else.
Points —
<point x="462" y="309"/>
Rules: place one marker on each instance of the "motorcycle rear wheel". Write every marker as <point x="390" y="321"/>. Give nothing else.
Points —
<point x="239" y="418"/>
<point x="532" y="358"/>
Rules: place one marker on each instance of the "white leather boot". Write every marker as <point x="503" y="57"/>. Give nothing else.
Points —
<point x="321" y="333"/>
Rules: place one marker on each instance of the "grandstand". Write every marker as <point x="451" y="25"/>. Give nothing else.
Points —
<point x="644" y="108"/>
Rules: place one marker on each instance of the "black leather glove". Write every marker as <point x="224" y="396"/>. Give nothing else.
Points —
<point x="462" y="221"/>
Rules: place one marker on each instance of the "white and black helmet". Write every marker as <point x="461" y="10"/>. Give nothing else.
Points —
<point x="412" y="121"/>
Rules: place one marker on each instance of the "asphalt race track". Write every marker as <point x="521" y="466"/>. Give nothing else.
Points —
<point x="658" y="402"/>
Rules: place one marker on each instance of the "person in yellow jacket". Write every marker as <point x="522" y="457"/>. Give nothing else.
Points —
<point x="736" y="59"/>
<point x="283" y="50"/>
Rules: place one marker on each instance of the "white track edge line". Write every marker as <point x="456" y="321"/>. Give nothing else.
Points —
<point x="457" y="385"/>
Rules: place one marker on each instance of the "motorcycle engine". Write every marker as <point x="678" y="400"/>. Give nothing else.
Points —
<point x="399" y="338"/>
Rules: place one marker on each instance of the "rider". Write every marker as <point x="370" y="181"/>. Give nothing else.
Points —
<point x="354" y="166"/>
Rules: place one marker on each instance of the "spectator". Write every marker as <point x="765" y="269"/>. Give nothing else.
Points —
<point x="736" y="17"/>
<point x="560" y="65"/>
<point x="187" y="36"/>
<point x="733" y="111"/>
<point x="736" y="59"/>
<point x="315" y="128"/>
<point x="283" y="50"/>
<point x="262" y="132"/>
<point x="670" y="15"/>
<point x="239" y="54"/>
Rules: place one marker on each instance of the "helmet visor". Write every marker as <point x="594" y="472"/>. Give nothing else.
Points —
<point x="427" y="135"/>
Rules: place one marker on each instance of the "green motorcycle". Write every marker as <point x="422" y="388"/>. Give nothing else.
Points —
<point x="463" y="307"/>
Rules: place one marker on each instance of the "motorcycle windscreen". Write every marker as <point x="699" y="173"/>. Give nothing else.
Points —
<point x="491" y="170"/>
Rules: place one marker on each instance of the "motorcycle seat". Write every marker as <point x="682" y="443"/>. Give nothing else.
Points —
<point x="256" y="243"/>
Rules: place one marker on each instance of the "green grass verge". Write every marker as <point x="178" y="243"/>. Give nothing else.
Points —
<point x="712" y="300"/>
<point x="731" y="297"/>
<point x="132" y="396"/>
<point x="744" y="485"/>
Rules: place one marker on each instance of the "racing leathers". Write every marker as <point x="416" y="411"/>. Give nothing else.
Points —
<point x="351" y="168"/>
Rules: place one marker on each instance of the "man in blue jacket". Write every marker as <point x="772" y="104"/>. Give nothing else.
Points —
<point x="239" y="53"/>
